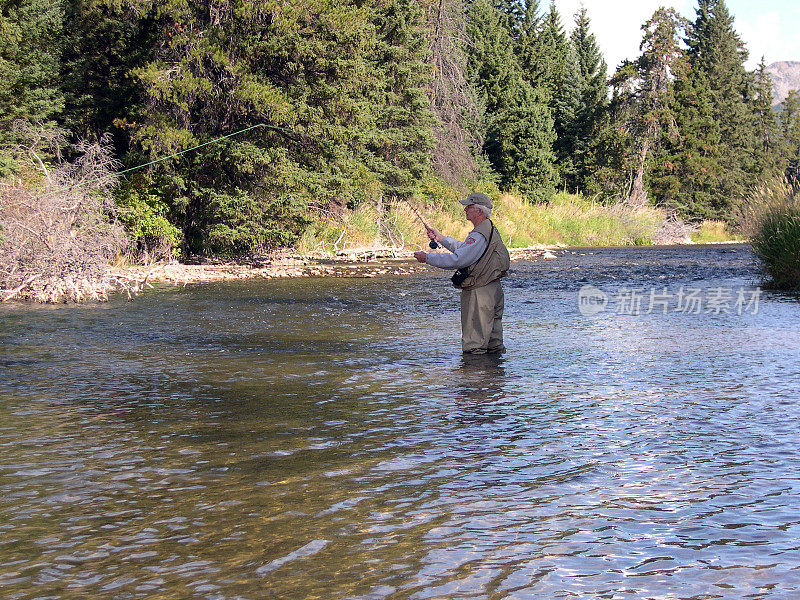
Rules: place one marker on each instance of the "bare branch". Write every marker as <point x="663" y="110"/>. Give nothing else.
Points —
<point x="57" y="241"/>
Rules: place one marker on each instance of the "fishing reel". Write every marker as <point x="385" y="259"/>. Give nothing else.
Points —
<point x="433" y="244"/>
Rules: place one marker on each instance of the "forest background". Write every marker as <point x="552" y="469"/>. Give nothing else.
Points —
<point x="329" y="107"/>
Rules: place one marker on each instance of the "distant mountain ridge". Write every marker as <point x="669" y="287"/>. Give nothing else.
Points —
<point x="785" y="76"/>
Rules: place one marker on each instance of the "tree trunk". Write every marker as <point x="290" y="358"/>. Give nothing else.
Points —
<point x="638" y="195"/>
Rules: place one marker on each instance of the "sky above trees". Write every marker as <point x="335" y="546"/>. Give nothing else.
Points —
<point x="767" y="27"/>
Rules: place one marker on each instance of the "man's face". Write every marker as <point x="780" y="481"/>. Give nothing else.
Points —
<point x="474" y="214"/>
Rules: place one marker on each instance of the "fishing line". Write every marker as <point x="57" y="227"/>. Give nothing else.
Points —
<point x="153" y="162"/>
<point x="176" y="154"/>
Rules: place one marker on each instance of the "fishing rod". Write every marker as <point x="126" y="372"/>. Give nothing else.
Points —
<point x="432" y="243"/>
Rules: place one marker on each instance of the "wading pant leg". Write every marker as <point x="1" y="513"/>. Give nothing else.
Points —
<point x="481" y="318"/>
<point x="496" y="337"/>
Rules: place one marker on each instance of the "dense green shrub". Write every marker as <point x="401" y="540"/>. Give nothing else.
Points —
<point x="773" y="221"/>
<point x="152" y="235"/>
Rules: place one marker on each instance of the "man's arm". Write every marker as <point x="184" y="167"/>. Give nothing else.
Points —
<point x="462" y="254"/>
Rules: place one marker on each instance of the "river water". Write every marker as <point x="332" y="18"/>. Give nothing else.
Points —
<point x="324" y="438"/>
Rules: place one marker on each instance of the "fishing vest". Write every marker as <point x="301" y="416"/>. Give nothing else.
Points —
<point x="493" y="264"/>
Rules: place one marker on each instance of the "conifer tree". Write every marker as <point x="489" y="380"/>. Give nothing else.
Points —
<point x="527" y="27"/>
<point x="567" y="104"/>
<point x="104" y="42"/>
<point x="520" y="133"/>
<point x="578" y="126"/>
<point x="492" y="64"/>
<point x="768" y="146"/>
<point x="652" y="91"/>
<point x="614" y="145"/>
<point x="790" y="130"/>
<point x="298" y="72"/>
<point x="401" y="138"/>
<point x="519" y="143"/>
<point x="545" y="65"/>
<point x="30" y="51"/>
<point x="717" y="55"/>
<point x="686" y="168"/>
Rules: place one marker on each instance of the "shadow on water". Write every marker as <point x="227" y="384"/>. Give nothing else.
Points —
<point x="483" y="378"/>
<point x="325" y="438"/>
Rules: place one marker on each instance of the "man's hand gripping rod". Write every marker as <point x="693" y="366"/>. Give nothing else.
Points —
<point x="432" y="243"/>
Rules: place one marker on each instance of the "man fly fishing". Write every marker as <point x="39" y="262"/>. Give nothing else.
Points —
<point x="480" y="261"/>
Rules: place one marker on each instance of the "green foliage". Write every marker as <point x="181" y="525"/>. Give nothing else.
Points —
<point x="313" y="109"/>
<point x="773" y="220"/>
<point x="144" y="217"/>
<point x="686" y="169"/>
<point x="103" y="43"/>
<point x="768" y="149"/>
<point x="653" y="117"/>
<point x="717" y="56"/>
<point x="790" y="130"/>
<point x="298" y="69"/>
<point x="30" y="49"/>
<point x="519" y="142"/>
<point x="401" y="137"/>
<point x="519" y="136"/>
<point x="544" y="57"/>
<point x="435" y="193"/>
<point x="582" y="101"/>
<point x="8" y="166"/>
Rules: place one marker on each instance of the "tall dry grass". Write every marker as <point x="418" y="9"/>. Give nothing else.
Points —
<point x="566" y="220"/>
<point x="771" y="218"/>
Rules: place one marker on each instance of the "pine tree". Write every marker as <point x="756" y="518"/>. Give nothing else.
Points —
<point x="492" y="67"/>
<point x="548" y="68"/>
<point x="642" y="106"/>
<point x="514" y="14"/>
<point x="401" y="137"/>
<point x="297" y="72"/>
<point x="30" y="49"/>
<point x="578" y="126"/>
<point x="768" y="148"/>
<point x="520" y="133"/>
<point x="615" y="142"/>
<point x="519" y="143"/>
<point x="686" y="168"/>
<point x="717" y="54"/>
<point x="104" y="42"/>
<point x="567" y="105"/>
<point x="790" y="130"/>
<point x="545" y="65"/>
<point x="526" y="43"/>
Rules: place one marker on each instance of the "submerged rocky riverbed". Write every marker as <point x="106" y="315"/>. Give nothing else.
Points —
<point x="323" y="437"/>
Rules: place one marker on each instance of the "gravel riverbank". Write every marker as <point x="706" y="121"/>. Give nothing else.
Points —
<point x="364" y="262"/>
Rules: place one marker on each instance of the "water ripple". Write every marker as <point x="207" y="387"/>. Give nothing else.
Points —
<point x="300" y="440"/>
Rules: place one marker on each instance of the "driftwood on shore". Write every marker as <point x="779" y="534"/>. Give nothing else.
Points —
<point x="356" y="263"/>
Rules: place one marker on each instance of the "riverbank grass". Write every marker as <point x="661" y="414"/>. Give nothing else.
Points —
<point x="573" y="221"/>
<point x="711" y="231"/>
<point x="773" y="218"/>
<point x="565" y="220"/>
